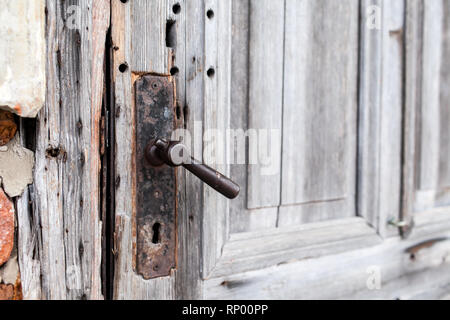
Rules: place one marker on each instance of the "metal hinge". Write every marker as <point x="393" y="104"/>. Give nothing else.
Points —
<point x="405" y="227"/>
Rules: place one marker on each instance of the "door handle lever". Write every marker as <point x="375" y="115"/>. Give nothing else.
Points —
<point x="175" y="154"/>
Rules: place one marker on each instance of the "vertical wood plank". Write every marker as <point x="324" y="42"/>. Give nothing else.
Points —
<point x="320" y="104"/>
<point x="391" y="121"/>
<point x="148" y="49"/>
<point x="67" y="198"/>
<point x="444" y="159"/>
<point x="380" y="115"/>
<point x="265" y="96"/>
<point x="190" y="38"/>
<point x="413" y="80"/>
<point x="241" y="219"/>
<point x="429" y="112"/>
<point x="127" y="284"/>
<point x="216" y="115"/>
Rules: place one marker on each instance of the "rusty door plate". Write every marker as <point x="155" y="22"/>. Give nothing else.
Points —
<point x="155" y="187"/>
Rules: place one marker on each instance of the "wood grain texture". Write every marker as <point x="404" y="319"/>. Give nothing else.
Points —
<point x="148" y="39"/>
<point x="66" y="190"/>
<point x="264" y="248"/>
<point x="143" y="56"/>
<point x="380" y="114"/>
<point x="265" y="98"/>
<point x="444" y="159"/>
<point x="430" y="108"/>
<point x="413" y="79"/>
<point x="425" y="136"/>
<point x="28" y="237"/>
<point x="241" y="219"/>
<point x="216" y="115"/>
<point x="401" y="276"/>
<point x="191" y="41"/>
<point x="320" y="106"/>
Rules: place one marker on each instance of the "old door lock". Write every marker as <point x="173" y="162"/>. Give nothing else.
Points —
<point x="175" y="154"/>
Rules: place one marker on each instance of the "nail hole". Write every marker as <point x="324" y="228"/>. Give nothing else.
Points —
<point x="124" y="1"/>
<point x="171" y="34"/>
<point x="211" y="72"/>
<point x="156" y="233"/>
<point x="176" y="8"/>
<point x="210" y="14"/>
<point x="174" y="71"/>
<point x="123" y="67"/>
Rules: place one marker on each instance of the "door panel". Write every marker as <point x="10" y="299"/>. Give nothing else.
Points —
<point x="429" y="131"/>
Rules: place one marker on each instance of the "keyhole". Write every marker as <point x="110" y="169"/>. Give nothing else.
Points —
<point x="156" y="233"/>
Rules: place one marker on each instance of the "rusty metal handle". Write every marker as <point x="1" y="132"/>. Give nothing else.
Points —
<point x="175" y="154"/>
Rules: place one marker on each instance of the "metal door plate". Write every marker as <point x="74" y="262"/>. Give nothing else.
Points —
<point x="156" y="208"/>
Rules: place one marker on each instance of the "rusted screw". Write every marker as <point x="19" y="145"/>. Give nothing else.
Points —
<point x="8" y="127"/>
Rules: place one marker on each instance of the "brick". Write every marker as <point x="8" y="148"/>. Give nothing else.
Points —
<point x="8" y="127"/>
<point x="6" y="227"/>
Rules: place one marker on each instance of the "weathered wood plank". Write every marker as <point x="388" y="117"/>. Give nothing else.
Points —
<point x="430" y="110"/>
<point x="444" y="164"/>
<point x="412" y="82"/>
<point x="148" y="39"/>
<point x="216" y="115"/>
<point x="265" y="248"/>
<point x="320" y="104"/>
<point x="188" y="282"/>
<point x="28" y="237"/>
<point x="345" y="275"/>
<point x="241" y="219"/>
<point x="127" y="283"/>
<point x="153" y="55"/>
<point x="265" y="98"/>
<point x="67" y="198"/>
<point x="380" y="115"/>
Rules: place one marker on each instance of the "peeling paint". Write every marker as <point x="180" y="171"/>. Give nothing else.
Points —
<point x="22" y="33"/>
<point x="16" y="168"/>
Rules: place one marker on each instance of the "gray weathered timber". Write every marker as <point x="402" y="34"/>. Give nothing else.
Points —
<point x="127" y="283"/>
<point x="66" y="226"/>
<point x="216" y="116"/>
<point x="187" y="56"/>
<point x="444" y="163"/>
<point x="413" y="73"/>
<point x="430" y="108"/>
<point x="241" y="219"/>
<point x="320" y="106"/>
<point x="380" y="115"/>
<point x="149" y="50"/>
<point x="28" y="240"/>
<point x="188" y="283"/>
<point x="345" y="275"/>
<point x="266" y="48"/>
<point x="426" y="110"/>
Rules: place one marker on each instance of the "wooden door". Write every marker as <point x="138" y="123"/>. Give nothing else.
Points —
<point x="344" y="172"/>
<point x="329" y="77"/>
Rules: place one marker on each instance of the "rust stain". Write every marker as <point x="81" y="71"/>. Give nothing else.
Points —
<point x="8" y="127"/>
<point x="6" y="227"/>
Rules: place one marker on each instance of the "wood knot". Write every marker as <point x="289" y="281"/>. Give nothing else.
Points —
<point x="8" y="127"/>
